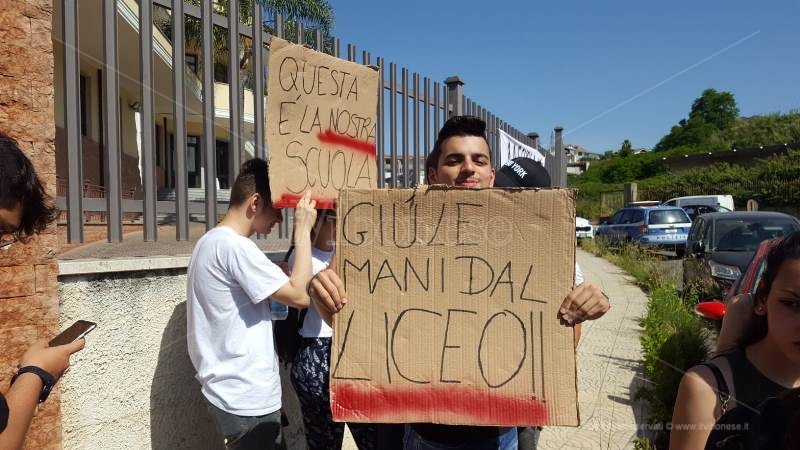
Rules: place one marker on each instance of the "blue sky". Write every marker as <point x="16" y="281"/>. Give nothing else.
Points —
<point x="538" y="65"/>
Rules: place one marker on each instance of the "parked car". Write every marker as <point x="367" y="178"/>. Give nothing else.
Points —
<point x="650" y="226"/>
<point x="583" y="228"/>
<point x="714" y="309"/>
<point x="696" y="210"/>
<point x="721" y="245"/>
<point x="725" y="201"/>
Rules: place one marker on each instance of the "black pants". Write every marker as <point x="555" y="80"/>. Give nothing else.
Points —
<point x="310" y="380"/>
<point x="249" y="432"/>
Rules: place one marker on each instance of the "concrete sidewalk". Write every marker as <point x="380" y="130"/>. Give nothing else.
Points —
<point x="609" y="367"/>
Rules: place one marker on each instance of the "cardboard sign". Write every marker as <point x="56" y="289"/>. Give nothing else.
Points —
<point x="321" y="124"/>
<point x="453" y="301"/>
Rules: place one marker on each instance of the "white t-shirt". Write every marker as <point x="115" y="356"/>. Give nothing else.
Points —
<point x="229" y="325"/>
<point x="313" y="325"/>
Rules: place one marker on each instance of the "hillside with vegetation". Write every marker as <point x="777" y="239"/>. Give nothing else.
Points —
<point x="713" y="125"/>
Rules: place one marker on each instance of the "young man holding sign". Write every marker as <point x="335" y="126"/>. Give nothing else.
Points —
<point x="228" y="313"/>
<point x="462" y="157"/>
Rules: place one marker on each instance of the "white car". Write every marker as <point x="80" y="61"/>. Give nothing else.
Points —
<point x="583" y="229"/>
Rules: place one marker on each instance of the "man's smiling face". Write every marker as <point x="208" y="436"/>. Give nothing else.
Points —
<point x="464" y="161"/>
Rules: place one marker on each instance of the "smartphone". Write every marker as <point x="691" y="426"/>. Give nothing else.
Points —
<point x="76" y="331"/>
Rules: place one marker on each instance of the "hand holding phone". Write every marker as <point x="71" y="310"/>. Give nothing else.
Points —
<point x="76" y="331"/>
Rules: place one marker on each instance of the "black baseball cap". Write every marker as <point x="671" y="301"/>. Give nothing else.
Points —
<point x="522" y="173"/>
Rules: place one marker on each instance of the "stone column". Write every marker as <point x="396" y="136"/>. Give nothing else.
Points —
<point x="28" y="290"/>
<point x="455" y="94"/>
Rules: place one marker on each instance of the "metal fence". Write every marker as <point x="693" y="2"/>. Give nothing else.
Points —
<point x="423" y="104"/>
<point x="610" y="202"/>
<point x="772" y="193"/>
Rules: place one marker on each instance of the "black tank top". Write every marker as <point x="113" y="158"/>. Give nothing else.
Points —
<point x="750" y="385"/>
<point x="743" y="427"/>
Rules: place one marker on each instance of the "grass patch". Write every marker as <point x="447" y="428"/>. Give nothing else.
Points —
<point x="674" y="338"/>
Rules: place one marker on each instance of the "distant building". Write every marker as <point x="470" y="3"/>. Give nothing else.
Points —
<point x="578" y="158"/>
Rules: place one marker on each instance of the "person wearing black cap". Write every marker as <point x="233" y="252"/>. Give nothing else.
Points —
<point x="461" y="156"/>
<point x="527" y="173"/>
<point x="522" y="173"/>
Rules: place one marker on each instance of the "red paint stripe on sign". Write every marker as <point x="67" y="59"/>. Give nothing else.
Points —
<point x="329" y="137"/>
<point x="457" y="404"/>
<point x="290" y="201"/>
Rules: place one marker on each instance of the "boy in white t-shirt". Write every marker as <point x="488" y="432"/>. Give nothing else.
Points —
<point x="228" y="316"/>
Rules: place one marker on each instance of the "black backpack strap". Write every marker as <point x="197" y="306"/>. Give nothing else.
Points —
<point x="722" y="386"/>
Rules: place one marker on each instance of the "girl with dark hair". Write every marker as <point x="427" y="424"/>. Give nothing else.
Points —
<point x="25" y="208"/>
<point x="764" y="363"/>
<point x="311" y="368"/>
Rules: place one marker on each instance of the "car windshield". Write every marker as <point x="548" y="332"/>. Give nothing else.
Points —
<point x="668" y="216"/>
<point x="744" y="235"/>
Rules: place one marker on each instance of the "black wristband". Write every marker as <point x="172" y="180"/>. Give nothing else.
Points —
<point x="47" y="380"/>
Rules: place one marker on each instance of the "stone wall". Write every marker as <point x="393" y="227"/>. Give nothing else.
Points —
<point x="133" y="385"/>
<point x="28" y="303"/>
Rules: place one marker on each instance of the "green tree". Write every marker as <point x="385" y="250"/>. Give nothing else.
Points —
<point x="626" y="149"/>
<point x="712" y="113"/>
<point x="313" y="14"/>
<point x="717" y="109"/>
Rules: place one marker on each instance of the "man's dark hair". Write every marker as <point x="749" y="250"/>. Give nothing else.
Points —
<point x="19" y="185"/>
<point x="253" y="178"/>
<point x="455" y="126"/>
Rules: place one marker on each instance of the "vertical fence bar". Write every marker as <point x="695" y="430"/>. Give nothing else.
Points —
<point x="300" y="38"/>
<point x="300" y="35"/>
<point x="209" y="143"/>
<point x="72" y="118"/>
<point x="111" y="102"/>
<point x="179" y="117"/>
<point x="351" y="52"/>
<point x="454" y="97"/>
<point x="416" y="128"/>
<point x="235" y="145"/>
<point x="258" y="74"/>
<point x="393" y="121"/>
<point x="365" y="58"/>
<point x="336" y="47"/>
<point x="436" y="108"/>
<point x="561" y="158"/>
<point x="279" y="26"/>
<point x="495" y="140"/>
<point x="280" y="31"/>
<point x="318" y="37"/>
<point x="446" y="101"/>
<point x="404" y="123"/>
<point x="381" y="147"/>
<point x="426" y="117"/>
<point x="148" y="124"/>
